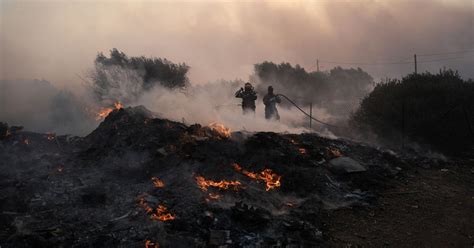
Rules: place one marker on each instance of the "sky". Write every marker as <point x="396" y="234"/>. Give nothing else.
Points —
<point x="58" y="40"/>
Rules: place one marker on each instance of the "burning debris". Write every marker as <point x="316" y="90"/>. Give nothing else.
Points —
<point x="104" y="112"/>
<point x="302" y="151"/>
<point x="160" y="213"/>
<point x="272" y="180"/>
<point x="157" y="182"/>
<point x="204" y="184"/>
<point x="108" y="167"/>
<point x="220" y="129"/>
<point x="50" y="136"/>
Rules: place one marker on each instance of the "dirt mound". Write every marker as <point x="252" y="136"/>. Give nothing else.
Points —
<point x="139" y="180"/>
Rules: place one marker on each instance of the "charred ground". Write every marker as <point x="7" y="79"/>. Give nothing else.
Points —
<point x="141" y="181"/>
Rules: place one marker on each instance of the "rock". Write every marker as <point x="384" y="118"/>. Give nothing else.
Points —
<point x="345" y="165"/>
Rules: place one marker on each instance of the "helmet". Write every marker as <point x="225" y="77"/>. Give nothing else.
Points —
<point x="248" y="86"/>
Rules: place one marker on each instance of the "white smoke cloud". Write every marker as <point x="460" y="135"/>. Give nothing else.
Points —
<point x="215" y="102"/>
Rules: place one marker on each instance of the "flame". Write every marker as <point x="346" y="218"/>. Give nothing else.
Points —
<point x="150" y="244"/>
<point x="221" y="129"/>
<point x="118" y="105"/>
<point x="223" y="184"/>
<point x="157" y="182"/>
<point x="50" y="136"/>
<point x="160" y="213"/>
<point x="272" y="180"/>
<point x="104" y="112"/>
<point x="302" y="151"/>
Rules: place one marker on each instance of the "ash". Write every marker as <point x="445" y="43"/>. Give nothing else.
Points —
<point x="137" y="181"/>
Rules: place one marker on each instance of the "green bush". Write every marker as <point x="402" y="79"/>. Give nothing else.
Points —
<point x="434" y="109"/>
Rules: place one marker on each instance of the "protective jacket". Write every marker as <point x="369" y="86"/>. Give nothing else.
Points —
<point x="248" y="99"/>
<point x="270" y="101"/>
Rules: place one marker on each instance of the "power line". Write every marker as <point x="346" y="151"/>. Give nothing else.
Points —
<point x="442" y="59"/>
<point x="402" y="61"/>
<point x="391" y="63"/>
<point x="366" y="63"/>
<point x="446" y="53"/>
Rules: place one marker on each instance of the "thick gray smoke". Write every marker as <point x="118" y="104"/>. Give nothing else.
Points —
<point x="58" y="39"/>
<point x="223" y="39"/>
<point x="215" y="102"/>
<point x="39" y="106"/>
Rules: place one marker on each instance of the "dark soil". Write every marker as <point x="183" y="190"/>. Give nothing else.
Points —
<point x="431" y="207"/>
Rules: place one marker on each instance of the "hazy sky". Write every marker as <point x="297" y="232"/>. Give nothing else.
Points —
<point x="56" y="40"/>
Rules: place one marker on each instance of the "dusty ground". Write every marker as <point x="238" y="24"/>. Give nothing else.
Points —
<point x="431" y="207"/>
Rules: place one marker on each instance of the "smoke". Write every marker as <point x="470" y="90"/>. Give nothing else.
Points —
<point x="58" y="39"/>
<point x="39" y="106"/>
<point x="215" y="102"/>
<point x="223" y="39"/>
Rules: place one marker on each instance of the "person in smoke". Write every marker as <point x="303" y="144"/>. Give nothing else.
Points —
<point x="270" y="100"/>
<point x="248" y="96"/>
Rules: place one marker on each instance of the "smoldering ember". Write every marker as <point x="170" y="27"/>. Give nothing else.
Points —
<point x="140" y="181"/>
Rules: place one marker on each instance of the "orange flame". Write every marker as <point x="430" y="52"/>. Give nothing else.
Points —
<point x="157" y="182"/>
<point x="223" y="184"/>
<point x="302" y="151"/>
<point x="221" y="129"/>
<point x="160" y="213"/>
<point x="104" y="112"/>
<point x="118" y="105"/>
<point x="272" y="180"/>
<point x="50" y="136"/>
<point x="150" y="244"/>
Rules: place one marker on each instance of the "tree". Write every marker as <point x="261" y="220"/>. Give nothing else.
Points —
<point x="119" y="77"/>
<point x="433" y="109"/>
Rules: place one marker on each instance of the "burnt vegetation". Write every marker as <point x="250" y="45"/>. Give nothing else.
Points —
<point x="140" y="179"/>
<point x="119" y="72"/>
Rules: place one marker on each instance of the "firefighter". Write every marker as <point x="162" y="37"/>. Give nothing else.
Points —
<point x="248" y="96"/>
<point x="270" y="100"/>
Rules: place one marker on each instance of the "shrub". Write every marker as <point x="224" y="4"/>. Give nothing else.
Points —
<point x="120" y="76"/>
<point x="433" y="109"/>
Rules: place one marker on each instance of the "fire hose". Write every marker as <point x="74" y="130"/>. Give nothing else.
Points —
<point x="302" y="111"/>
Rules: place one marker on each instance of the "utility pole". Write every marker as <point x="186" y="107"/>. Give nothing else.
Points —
<point x="317" y="64"/>
<point x="416" y="65"/>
